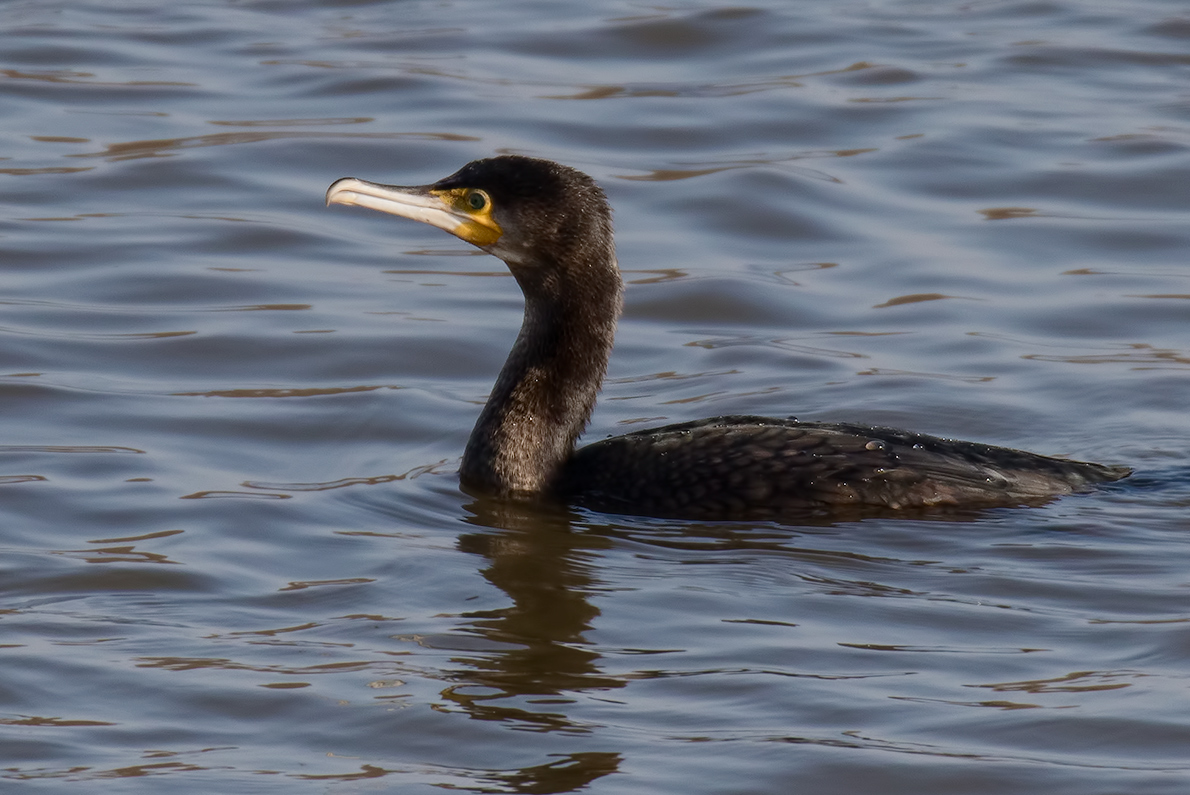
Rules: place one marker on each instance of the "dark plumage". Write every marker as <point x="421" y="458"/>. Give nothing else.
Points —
<point x="552" y="226"/>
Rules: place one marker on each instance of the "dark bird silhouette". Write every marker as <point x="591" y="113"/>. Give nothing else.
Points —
<point x="552" y="227"/>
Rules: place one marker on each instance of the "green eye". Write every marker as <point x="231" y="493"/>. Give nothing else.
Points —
<point x="476" y="200"/>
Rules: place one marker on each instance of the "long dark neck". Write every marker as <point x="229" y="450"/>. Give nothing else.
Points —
<point x="546" y="391"/>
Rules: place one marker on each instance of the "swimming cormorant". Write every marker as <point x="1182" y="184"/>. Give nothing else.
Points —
<point x="552" y="226"/>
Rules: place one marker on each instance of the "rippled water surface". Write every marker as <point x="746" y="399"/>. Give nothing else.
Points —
<point x="235" y="554"/>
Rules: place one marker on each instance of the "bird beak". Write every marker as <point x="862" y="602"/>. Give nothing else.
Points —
<point x="440" y="208"/>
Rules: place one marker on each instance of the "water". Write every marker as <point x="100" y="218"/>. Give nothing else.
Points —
<point x="235" y="555"/>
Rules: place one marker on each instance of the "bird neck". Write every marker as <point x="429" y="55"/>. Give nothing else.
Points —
<point x="546" y="390"/>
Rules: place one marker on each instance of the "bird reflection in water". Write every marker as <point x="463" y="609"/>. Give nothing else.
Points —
<point x="545" y="570"/>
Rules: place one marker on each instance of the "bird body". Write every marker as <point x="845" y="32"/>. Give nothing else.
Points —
<point x="552" y="226"/>
<point x="744" y="466"/>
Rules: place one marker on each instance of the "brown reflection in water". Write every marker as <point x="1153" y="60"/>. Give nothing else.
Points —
<point x="1005" y="213"/>
<point x="918" y="298"/>
<point x="330" y="485"/>
<point x="940" y="649"/>
<point x="225" y="664"/>
<point x="865" y="333"/>
<point x="964" y="379"/>
<point x="895" y="99"/>
<point x="75" y="217"/>
<point x="165" y="147"/>
<point x="301" y="585"/>
<point x="537" y="646"/>
<point x="144" y="537"/>
<point x="1010" y="213"/>
<point x="702" y="169"/>
<point x="6" y="479"/>
<point x="263" y="308"/>
<point x="26" y="172"/>
<point x="67" y="76"/>
<point x="658" y="275"/>
<point x="280" y="393"/>
<point x="483" y="274"/>
<point x="151" y="335"/>
<point x="294" y="122"/>
<point x="672" y="174"/>
<point x="570" y="773"/>
<point x="669" y="375"/>
<point x="278" y="631"/>
<point x="448" y="252"/>
<point x="768" y="533"/>
<point x="37" y="720"/>
<point x="232" y="495"/>
<point x="695" y="398"/>
<point x="121" y="554"/>
<point x="994" y="704"/>
<point x="1075" y="682"/>
<point x="616" y="92"/>
<point x="1140" y="355"/>
<point x="144" y="771"/>
<point x="65" y="448"/>
<point x="783" y="275"/>
<point x="784" y="343"/>
<point x="145" y="335"/>
<point x="365" y="771"/>
<point x="706" y="90"/>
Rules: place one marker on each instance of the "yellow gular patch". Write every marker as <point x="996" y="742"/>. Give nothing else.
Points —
<point x="479" y="228"/>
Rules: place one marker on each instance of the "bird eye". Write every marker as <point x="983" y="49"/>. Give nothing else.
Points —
<point x="476" y="200"/>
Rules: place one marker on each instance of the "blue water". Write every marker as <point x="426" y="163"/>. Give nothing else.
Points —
<point x="234" y="556"/>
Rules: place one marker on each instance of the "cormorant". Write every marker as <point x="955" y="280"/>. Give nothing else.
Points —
<point x="552" y="227"/>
